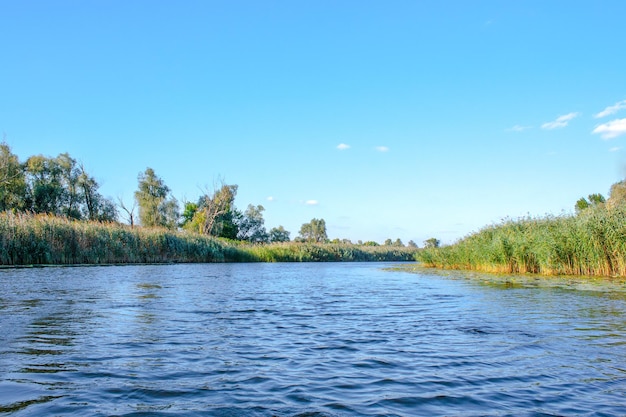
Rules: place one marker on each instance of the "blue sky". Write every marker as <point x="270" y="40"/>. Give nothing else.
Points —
<point x="388" y="119"/>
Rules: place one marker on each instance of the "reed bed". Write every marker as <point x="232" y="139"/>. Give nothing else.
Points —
<point x="592" y="243"/>
<point x="328" y="252"/>
<point x="43" y="240"/>
<point x="27" y="239"/>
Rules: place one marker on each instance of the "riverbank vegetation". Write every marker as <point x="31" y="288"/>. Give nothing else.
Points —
<point x="41" y="239"/>
<point x="590" y="242"/>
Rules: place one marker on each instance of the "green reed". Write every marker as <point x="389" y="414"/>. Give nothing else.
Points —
<point x="41" y="239"/>
<point x="328" y="252"/>
<point x="27" y="239"/>
<point x="590" y="243"/>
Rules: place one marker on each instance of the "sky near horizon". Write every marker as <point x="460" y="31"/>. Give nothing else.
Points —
<point x="388" y="119"/>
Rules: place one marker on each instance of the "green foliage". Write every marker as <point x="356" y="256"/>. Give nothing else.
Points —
<point x="314" y="231"/>
<point x="432" y="243"/>
<point x="155" y="208"/>
<point x="590" y="243"/>
<point x="12" y="181"/>
<point x="594" y="201"/>
<point x="43" y="239"/>
<point x="215" y="214"/>
<point x="58" y="186"/>
<point x="327" y="252"/>
<point x="278" y="234"/>
<point x="251" y="225"/>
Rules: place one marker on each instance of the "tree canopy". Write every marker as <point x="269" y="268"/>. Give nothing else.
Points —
<point x="156" y="207"/>
<point x="314" y="231"/>
<point x="52" y="185"/>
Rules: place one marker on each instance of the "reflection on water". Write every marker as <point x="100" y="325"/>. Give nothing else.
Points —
<point x="307" y="339"/>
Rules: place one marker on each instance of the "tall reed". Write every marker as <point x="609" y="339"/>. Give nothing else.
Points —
<point x="42" y="239"/>
<point x="27" y="239"/>
<point x="590" y="243"/>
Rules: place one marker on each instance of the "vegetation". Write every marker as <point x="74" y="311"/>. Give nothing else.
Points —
<point x="156" y="207"/>
<point x="40" y="239"/>
<point x="592" y="242"/>
<point x="314" y="231"/>
<point x="59" y="186"/>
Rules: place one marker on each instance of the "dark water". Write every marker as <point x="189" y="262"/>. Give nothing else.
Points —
<point x="303" y="340"/>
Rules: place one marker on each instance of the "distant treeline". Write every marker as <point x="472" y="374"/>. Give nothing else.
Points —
<point x="60" y="186"/>
<point x="40" y="239"/>
<point x="591" y="242"/>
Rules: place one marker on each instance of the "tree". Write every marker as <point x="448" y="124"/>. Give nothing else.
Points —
<point x="12" y="181"/>
<point x="46" y="192"/>
<point x="398" y="243"/>
<point x="69" y="174"/>
<point x="388" y="242"/>
<point x="130" y="212"/>
<point x="215" y="213"/>
<point x="412" y="244"/>
<point x="432" y="243"/>
<point x="314" y="231"/>
<point x="595" y="200"/>
<point x="279" y="234"/>
<point x="251" y="226"/>
<point x="96" y="207"/>
<point x="155" y="208"/>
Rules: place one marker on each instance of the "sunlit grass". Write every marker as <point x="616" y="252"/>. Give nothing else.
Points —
<point x="590" y="243"/>
<point x="47" y="240"/>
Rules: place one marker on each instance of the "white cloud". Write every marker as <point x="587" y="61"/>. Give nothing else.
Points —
<point x="560" y="121"/>
<point x="612" y="129"/>
<point x="615" y="149"/>
<point x="311" y="202"/>
<point x="270" y="198"/>
<point x="518" y="128"/>
<point x="343" y="146"/>
<point x="382" y="149"/>
<point x="611" y="109"/>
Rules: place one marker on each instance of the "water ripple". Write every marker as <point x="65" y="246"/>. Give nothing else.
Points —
<point x="303" y="340"/>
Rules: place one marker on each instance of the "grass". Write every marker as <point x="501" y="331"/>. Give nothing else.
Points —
<point x="592" y="243"/>
<point x="27" y="239"/>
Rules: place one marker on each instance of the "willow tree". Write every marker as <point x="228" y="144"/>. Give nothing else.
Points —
<point x="314" y="231"/>
<point x="12" y="180"/>
<point x="214" y="214"/>
<point x="156" y="207"/>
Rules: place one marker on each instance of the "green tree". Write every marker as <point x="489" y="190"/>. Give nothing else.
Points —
<point x="279" y="234"/>
<point x="46" y="192"/>
<point x="12" y="181"/>
<point x="314" y="231"/>
<point x="251" y="226"/>
<point x="398" y="243"/>
<point x="155" y="208"/>
<point x="432" y="243"/>
<point x="69" y="174"/>
<point x="388" y="242"/>
<point x="215" y="213"/>
<point x="594" y="200"/>
<point x="412" y="244"/>
<point x="95" y="206"/>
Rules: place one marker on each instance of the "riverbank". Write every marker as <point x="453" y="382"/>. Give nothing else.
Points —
<point x="591" y="243"/>
<point x="47" y="240"/>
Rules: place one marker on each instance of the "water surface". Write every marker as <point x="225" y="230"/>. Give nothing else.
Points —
<point x="340" y="339"/>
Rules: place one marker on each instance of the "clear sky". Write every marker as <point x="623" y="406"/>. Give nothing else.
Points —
<point x="388" y="119"/>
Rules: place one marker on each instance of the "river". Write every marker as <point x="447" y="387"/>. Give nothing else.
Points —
<point x="315" y="339"/>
